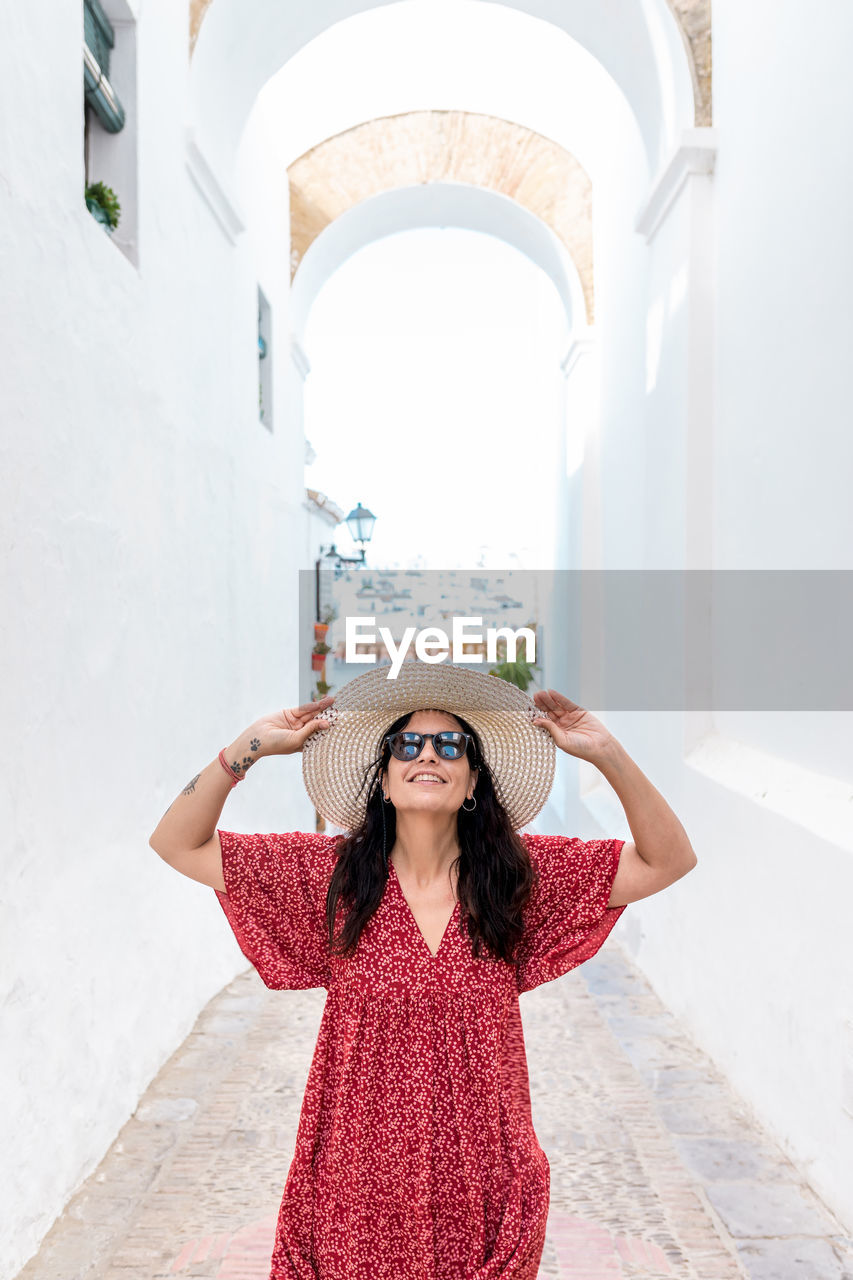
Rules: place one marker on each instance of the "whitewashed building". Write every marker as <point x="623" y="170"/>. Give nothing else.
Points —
<point x="153" y="495"/>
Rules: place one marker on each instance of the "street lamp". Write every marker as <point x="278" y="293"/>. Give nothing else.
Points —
<point x="360" y="522"/>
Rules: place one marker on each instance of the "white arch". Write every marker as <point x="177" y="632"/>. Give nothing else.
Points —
<point x="243" y="43"/>
<point x="434" y="204"/>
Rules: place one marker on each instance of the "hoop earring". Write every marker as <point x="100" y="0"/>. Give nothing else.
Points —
<point x="473" y="805"/>
<point x="385" y="799"/>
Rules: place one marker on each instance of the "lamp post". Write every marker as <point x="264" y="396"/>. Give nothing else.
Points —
<point x="360" y="522"/>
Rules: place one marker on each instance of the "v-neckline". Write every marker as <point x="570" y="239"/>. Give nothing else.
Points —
<point x="392" y="871"/>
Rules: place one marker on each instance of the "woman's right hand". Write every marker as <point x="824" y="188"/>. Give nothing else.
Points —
<point x="285" y="732"/>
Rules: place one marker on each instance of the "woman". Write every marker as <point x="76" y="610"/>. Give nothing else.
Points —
<point x="416" y="1157"/>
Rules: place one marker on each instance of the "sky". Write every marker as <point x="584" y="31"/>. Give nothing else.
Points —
<point x="434" y="400"/>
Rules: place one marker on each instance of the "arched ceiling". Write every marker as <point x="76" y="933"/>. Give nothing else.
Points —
<point x="444" y="146"/>
<point x="693" y="18"/>
<point x="456" y="205"/>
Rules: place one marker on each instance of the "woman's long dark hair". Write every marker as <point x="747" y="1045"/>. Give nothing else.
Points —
<point x="495" y="874"/>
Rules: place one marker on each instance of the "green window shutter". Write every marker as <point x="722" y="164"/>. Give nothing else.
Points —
<point x="98" y="40"/>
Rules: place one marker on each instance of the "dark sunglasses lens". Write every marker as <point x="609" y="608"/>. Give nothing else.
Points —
<point x="450" y="745"/>
<point x="406" y="746"/>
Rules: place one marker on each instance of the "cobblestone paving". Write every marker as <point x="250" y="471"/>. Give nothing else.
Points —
<point x="656" y="1169"/>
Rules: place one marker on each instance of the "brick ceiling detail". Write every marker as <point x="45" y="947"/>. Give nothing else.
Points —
<point x="694" y="23"/>
<point x="198" y="8"/>
<point x="443" y="146"/>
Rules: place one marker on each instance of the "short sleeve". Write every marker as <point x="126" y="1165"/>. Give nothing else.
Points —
<point x="567" y="918"/>
<point x="275" y="902"/>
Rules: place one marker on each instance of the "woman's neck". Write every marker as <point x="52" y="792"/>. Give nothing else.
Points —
<point x="425" y="847"/>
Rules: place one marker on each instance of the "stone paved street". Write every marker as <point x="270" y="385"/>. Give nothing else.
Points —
<point x="657" y="1171"/>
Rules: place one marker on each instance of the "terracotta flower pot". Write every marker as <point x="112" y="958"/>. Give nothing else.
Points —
<point x="320" y="629"/>
<point x="318" y="661"/>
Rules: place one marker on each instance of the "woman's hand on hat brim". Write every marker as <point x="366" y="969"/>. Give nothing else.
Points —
<point x="284" y="732"/>
<point x="574" y="729"/>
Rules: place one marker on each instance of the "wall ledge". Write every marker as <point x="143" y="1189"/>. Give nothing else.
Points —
<point x="212" y="191"/>
<point x="818" y="803"/>
<point x="695" y="154"/>
<point x="581" y="345"/>
<point x="299" y="358"/>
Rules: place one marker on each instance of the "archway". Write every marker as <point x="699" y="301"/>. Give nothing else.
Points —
<point x="656" y="52"/>
<point x="440" y="169"/>
<point x="646" y="78"/>
<point x="437" y="205"/>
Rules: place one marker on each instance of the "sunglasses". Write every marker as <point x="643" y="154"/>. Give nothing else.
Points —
<point x="449" y="744"/>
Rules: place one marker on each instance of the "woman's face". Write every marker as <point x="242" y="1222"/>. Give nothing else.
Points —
<point x="430" y="783"/>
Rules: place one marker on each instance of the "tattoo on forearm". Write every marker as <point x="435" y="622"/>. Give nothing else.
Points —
<point x="243" y="766"/>
<point x="190" y="787"/>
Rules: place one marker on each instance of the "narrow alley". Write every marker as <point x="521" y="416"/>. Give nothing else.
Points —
<point x="657" y="1169"/>
<point x="510" y="338"/>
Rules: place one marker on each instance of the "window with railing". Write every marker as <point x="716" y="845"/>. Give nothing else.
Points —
<point x="109" y="119"/>
<point x="98" y="43"/>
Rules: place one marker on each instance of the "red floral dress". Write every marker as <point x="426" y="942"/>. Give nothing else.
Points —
<point x="416" y="1157"/>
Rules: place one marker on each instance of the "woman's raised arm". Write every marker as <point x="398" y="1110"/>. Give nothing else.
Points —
<point x="661" y="852"/>
<point x="186" y="835"/>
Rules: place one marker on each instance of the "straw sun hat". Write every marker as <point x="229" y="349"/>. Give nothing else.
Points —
<point x="519" y="753"/>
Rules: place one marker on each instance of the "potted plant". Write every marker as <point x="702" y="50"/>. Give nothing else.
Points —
<point x="318" y="655"/>
<point x="519" y="673"/>
<point x="321" y="626"/>
<point x="321" y="689"/>
<point x="103" y="204"/>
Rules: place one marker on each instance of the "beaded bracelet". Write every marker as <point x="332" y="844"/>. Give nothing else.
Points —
<point x="238" y="777"/>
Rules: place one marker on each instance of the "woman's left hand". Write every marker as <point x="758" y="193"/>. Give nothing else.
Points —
<point x="574" y="729"/>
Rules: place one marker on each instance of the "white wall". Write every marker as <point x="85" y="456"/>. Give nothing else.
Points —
<point x="744" y="461"/>
<point x="785" y="192"/>
<point x="148" y="523"/>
